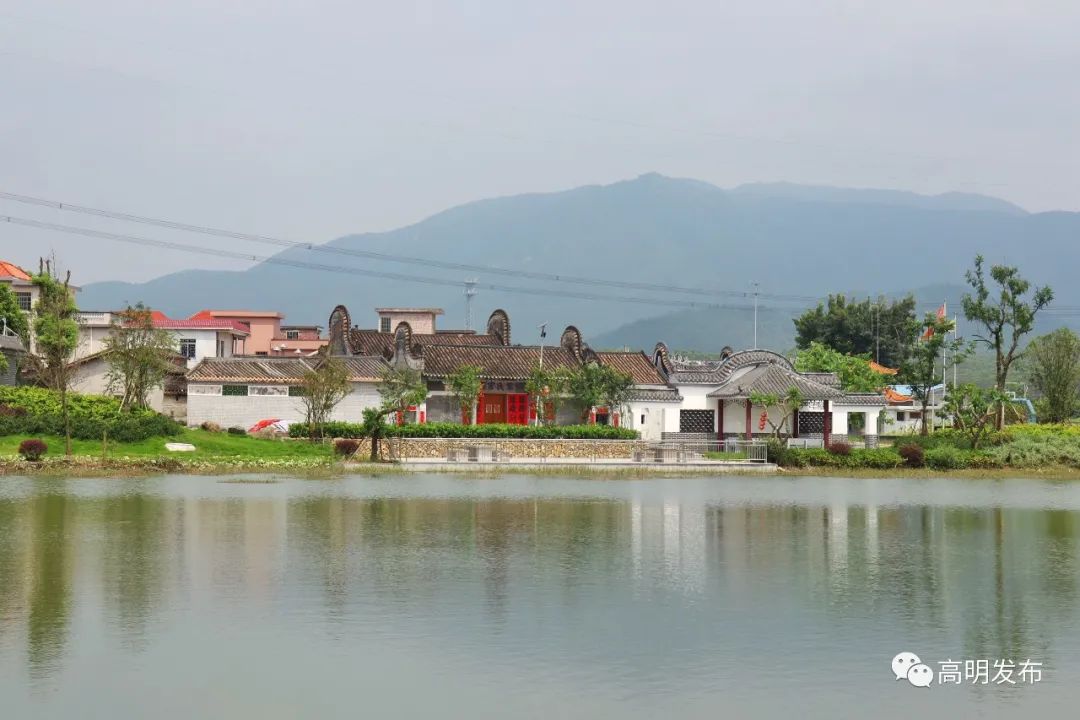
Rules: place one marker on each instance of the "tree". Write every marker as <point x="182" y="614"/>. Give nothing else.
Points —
<point x="787" y="404"/>
<point x="880" y="329"/>
<point x="1006" y="318"/>
<point x="139" y="355"/>
<point x="56" y="333"/>
<point x="401" y="388"/>
<point x="1053" y="366"/>
<point x="374" y="429"/>
<point x="594" y="385"/>
<point x="466" y="385"/>
<point x="853" y="370"/>
<point x="920" y="369"/>
<point x="547" y="388"/>
<point x="972" y="409"/>
<point x="322" y="389"/>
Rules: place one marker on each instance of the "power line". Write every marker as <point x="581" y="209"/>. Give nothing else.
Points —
<point x="388" y="257"/>
<point x="275" y="260"/>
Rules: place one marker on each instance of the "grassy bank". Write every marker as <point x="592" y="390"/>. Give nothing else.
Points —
<point x="208" y="445"/>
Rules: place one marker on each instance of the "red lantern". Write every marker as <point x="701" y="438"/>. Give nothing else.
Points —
<point x="764" y="419"/>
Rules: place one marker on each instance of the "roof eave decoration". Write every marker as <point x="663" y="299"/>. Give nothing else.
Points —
<point x="498" y="324"/>
<point x="338" y="330"/>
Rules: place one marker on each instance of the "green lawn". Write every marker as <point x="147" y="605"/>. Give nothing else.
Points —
<point x="207" y="446"/>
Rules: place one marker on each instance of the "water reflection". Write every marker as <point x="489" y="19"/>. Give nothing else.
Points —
<point x="633" y="592"/>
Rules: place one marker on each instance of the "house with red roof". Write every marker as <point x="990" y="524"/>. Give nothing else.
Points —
<point x="26" y="294"/>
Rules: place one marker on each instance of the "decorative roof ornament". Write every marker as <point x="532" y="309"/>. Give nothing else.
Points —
<point x="498" y="324"/>
<point x="662" y="360"/>
<point x="338" y="329"/>
<point x="571" y="341"/>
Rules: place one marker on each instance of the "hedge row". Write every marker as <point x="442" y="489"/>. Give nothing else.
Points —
<point x="455" y="430"/>
<point x="37" y="411"/>
<point x="128" y="427"/>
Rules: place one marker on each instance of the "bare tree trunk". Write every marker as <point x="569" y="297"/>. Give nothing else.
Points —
<point x="67" y="419"/>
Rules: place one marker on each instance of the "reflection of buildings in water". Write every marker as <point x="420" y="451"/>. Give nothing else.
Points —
<point x="235" y="543"/>
<point x="667" y="544"/>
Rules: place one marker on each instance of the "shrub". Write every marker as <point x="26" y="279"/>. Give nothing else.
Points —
<point x="454" y="430"/>
<point x="840" y="448"/>
<point x="913" y="454"/>
<point x="211" y="427"/>
<point x="32" y="449"/>
<point x="776" y="451"/>
<point x="9" y="411"/>
<point x="946" y="458"/>
<point x="37" y="411"/>
<point x="235" y="430"/>
<point x="346" y="447"/>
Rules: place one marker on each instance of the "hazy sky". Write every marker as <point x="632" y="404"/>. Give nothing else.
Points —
<point x="314" y="119"/>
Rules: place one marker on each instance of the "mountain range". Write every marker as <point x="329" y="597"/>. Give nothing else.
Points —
<point x="796" y="241"/>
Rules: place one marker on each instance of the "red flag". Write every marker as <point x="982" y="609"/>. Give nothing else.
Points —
<point x="930" y="330"/>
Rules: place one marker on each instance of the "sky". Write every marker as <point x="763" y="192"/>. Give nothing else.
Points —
<point x="311" y="120"/>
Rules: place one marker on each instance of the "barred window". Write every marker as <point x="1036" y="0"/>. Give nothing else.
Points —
<point x="24" y="301"/>
<point x="187" y="348"/>
<point x="234" y="390"/>
<point x="268" y="390"/>
<point x="296" y="391"/>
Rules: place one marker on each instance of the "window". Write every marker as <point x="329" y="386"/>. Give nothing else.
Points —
<point x="234" y="390"/>
<point x="384" y="324"/>
<point x="292" y="334"/>
<point x="23" y="298"/>
<point x="296" y="391"/>
<point x="900" y="417"/>
<point x="260" y="353"/>
<point x="187" y="348"/>
<point x="643" y="419"/>
<point x="221" y="348"/>
<point x="268" y="390"/>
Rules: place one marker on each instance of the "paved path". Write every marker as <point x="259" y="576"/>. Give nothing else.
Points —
<point x="697" y="466"/>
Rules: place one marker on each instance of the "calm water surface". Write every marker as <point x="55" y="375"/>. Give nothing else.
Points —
<point x="447" y="596"/>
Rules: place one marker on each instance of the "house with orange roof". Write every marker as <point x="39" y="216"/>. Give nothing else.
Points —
<point x="21" y="284"/>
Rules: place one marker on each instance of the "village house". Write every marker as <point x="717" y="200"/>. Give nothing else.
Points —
<point x="302" y="340"/>
<point x="26" y="294"/>
<point x="504" y="369"/>
<point x="241" y="391"/>
<point x="716" y="398"/>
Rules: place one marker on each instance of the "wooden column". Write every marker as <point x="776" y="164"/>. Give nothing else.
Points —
<point x="720" y="419"/>
<point x="795" y="423"/>
<point x="749" y="420"/>
<point x="826" y="421"/>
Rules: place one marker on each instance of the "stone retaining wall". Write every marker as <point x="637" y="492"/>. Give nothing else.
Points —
<point x="439" y="448"/>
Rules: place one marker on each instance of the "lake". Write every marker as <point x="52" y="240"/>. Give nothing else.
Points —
<point x="534" y="596"/>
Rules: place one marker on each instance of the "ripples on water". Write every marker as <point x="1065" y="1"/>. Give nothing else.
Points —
<point x="530" y="597"/>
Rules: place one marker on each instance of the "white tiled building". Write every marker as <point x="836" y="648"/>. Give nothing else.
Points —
<point x="242" y="391"/>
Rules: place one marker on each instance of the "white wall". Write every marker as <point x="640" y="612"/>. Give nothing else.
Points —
<point x="658" y="417"/>
<point x="91" y="378"/>
<point x="228" y="411"/>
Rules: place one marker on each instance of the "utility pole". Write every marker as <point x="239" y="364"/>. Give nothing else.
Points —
<point x="470" y="293"/>
<point x="755" y="284"/>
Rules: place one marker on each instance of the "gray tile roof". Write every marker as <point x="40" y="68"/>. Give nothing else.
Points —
<point x="272" y="370"/>
<point x="869" y="399"/>
<point x="772" y="378"/>
<point x="644" y="395"/>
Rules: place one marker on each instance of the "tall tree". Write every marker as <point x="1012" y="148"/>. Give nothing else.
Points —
<point x="854" y="371"/>
<point x="401" y="388"/>
<point x="1053" y="366"/>
<point x="466" y="386"/>
<point x="548" y="388"/>
<point x="921" y="369"/>
<point x="594" y="385"/>
<point x="56" y="333"/>
<point x="140" y="356"/>
<point x="1006" y="318"/>
<point x="322" y="389"/>
<point x="882" y="329"/>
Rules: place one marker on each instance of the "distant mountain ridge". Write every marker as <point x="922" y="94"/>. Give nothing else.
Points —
<point x="793" y="240"/>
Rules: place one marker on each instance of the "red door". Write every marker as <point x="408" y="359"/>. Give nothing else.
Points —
<point x="517" y="409"/>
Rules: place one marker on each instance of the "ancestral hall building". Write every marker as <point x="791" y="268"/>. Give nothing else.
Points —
<point x="669" y="398"/>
